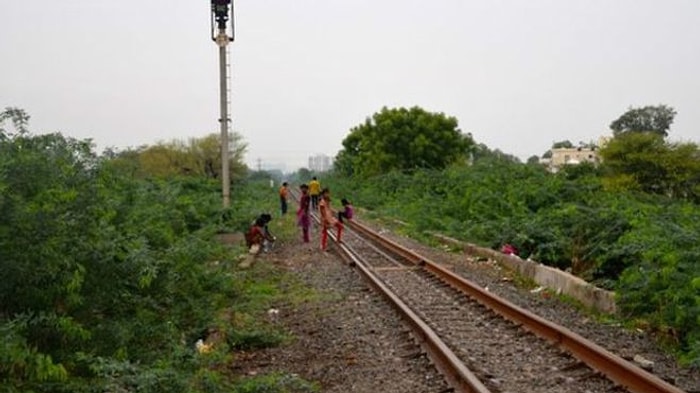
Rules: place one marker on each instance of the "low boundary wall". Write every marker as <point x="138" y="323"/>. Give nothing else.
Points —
<point x="546" y="276"/>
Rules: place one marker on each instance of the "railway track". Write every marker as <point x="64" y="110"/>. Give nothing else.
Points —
<point x="480" y="342"/>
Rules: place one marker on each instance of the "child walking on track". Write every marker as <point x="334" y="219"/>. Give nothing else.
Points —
<point x="328" y="221"/>
<point x="314" y="192"/>
<point x="303" y="219"/>
<point x="283" y="197"/>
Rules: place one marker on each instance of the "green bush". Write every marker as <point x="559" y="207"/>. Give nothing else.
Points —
<point x="107" y="280"/>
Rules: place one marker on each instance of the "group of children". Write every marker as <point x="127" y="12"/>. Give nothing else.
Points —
<point x="328" y="220"/>
<point x="312" y="197"/>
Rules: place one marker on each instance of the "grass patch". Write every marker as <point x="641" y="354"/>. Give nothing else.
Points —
<point x="275" y="383"/>
<point x="262" y="288"/>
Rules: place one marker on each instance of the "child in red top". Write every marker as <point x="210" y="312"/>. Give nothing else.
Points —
<point x="303" y="219"/>
<point x="255" y="236"/>
<point x="284" y="192"/>
<point x="258" y="236"/>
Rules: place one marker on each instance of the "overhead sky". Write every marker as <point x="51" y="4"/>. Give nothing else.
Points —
<point x="517" y="74"/>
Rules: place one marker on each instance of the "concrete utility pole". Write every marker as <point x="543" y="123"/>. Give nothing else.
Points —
<point x="221" y="13"/>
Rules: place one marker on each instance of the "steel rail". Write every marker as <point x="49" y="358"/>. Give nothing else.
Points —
<point x="457" y="375"/>
<point x="618" y="370"/>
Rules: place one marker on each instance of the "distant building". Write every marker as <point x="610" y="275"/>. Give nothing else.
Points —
<point x="573" y="155"/>
<point x="320" y="163"/>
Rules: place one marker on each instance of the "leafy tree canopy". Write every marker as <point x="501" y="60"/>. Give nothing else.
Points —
<point x="533" y="160"/>
<point x="481" y="152"/>
<point x="403" y="139"/>
<point x="197" y="157"/>
<point x="304" y="174"/>
<point x="645" y="162"/>
<point x="654" y="119"/>
<point x="19" y="119"/>
<point x="562" y="145"/>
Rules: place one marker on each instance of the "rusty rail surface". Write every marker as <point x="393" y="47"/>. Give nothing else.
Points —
<point x="457" y="375"/>
<point x="612" y="366"/>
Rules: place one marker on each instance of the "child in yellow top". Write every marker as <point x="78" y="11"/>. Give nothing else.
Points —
<point x="314" y="192"/>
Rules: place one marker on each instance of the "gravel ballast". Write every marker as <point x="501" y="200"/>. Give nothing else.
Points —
<point x="350" y="340"/>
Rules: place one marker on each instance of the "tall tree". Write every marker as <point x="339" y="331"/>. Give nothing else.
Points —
<point x="403" y="139"/>
<point x="19" y="119"/>
<point x="645" y="162"/>
<point x="195" y="157"/>
<point x="654" y="119"/>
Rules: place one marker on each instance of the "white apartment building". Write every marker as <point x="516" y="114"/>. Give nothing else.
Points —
<point x="320" y="163"/>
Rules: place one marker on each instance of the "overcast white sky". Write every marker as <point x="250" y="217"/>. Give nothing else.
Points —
<point x="517" y="74"/>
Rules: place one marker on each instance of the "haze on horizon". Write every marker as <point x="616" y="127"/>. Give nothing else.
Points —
<point x="517" y="75"/>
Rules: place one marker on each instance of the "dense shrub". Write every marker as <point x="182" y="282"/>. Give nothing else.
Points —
<point x="107" y="280"/>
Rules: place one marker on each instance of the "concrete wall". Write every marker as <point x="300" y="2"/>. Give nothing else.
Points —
<point x="546" y="276"/>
